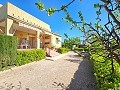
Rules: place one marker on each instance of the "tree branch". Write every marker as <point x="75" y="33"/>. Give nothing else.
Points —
<point x="110" y="13"/>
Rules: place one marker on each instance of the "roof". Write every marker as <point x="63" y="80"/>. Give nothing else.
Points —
<point x="21" y="14"/>
<point x="56" y="34"/>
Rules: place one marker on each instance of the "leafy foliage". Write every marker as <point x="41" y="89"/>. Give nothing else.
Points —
<point x="97" y="5"/>
<point x="78" y="49"/>
<point x="84" y="48"/>
<point x="106" y="79"/>
<point x="40" y="5"/>
<point x="69" y="42"/>
<point x="24" y="57"/>
<point x="104" y="40"/>
<point x="63" y="50"/>
<point x="8" y="49"/>
<point x="106" y="69"/>
<point x="50" y="11"/>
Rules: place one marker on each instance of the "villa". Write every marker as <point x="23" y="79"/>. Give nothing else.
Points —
<point x="16" y="22"/>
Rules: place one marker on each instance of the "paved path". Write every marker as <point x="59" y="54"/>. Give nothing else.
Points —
<point x="70" y="71"/>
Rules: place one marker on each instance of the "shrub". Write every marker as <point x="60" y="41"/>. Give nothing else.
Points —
<point x="8" y="50"/>
<point x="78" y="49"/>
<point x="63" y="50"/>
<point x="85" y="48"/>
<point x="106" y="80"/>
<point x="24" y="57"/>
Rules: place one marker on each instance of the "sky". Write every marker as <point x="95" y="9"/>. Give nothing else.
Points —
<point x="55" y="21"/>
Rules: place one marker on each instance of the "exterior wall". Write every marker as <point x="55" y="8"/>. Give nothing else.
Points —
<point x="17" y="12"/>
<point x="3" y="12"/>
<point x="22" y="35"/>
<point x="8" y="28"/>
<point x="54" y="43"/>
<point x="48" y="41"/>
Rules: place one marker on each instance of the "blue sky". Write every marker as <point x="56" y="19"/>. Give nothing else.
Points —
<point x="57" y="24"/>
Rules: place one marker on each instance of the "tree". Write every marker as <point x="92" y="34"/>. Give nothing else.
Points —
<point x="104" y="39"/>
<point x="106" y="33"/>
<point x="68" y="42"/>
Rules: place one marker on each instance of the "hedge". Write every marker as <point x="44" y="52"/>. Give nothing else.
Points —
<point x="63" y="50"/>
<point x="81" y="49"/>
<point x="24" y="57"/>
<point x="106" y="80"/>
<point x="9" y="56"/>
<point x="8" y="50"/>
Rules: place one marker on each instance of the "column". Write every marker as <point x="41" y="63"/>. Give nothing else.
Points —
<point x="38" y="40"/>
<point x="8" y="27"/>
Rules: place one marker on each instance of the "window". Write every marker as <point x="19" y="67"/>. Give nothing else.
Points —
<point x="57" y="41"/>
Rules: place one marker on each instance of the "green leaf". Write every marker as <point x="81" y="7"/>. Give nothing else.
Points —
<point x="40" y="6"/>
<point x="65" y="34"/>
<point x="98" y="26"/>
<point x="50" y="11"/>
<point x="98" y="12"/>
<point x="96" y="5"/>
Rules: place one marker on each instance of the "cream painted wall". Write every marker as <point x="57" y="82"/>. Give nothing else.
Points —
<point x="54" y="41"/>
<point x="12" y="10"/>
<point x="9" y="27"/>
<point x="23" y="35"/>
<point x="48" y="40"/>
<point x="15" y="11"/>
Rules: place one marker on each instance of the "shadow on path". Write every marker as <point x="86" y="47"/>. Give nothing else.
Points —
<point x="74" y="58"/>
<point x="83" y="78"/>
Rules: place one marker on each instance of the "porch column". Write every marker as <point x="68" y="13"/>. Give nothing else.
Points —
<point x="38" y="40"/>
<point x="8" y="27"/>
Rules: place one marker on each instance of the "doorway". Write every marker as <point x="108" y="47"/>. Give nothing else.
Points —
<point x="32" y="42"/>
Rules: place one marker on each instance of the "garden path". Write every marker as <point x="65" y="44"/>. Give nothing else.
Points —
<point x="70" y="71"/>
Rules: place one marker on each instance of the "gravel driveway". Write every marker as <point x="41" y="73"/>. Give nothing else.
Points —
<point x="69" y="71"/>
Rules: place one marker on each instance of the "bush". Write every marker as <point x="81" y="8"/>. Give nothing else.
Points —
<point x="106" y="80"/>
<point x="8" y="50"/>
<point x="24" y="57"/>
<point x="78" y="49"/>
<point x="63" y="50"/>
<point x="85" y="48"/>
